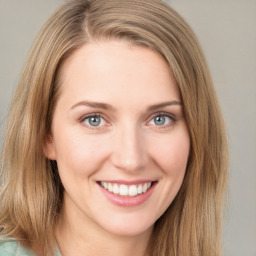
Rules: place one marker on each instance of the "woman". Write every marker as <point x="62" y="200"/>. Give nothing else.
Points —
<point x="115" y="142"/>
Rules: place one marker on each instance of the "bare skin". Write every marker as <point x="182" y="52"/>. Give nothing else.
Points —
<point x="118" y="123"/>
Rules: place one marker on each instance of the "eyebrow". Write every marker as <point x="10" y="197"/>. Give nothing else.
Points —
<point x="94" y="105"/>
<point x="111" y="108"/>
<point x="164" y="104"/>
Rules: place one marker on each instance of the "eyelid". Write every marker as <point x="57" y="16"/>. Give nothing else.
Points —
<point x="162" y="113"/>
<point x="152" y="116"/>
<point x="90" y="115"/>
<point x="96" y="114"/>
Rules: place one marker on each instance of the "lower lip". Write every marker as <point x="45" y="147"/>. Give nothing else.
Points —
<point x="128" y="201"/>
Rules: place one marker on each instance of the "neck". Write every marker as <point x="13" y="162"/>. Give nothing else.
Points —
<point x="88" y="239"/>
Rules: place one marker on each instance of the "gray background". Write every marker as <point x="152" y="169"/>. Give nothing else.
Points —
<point x="227" y="32"/>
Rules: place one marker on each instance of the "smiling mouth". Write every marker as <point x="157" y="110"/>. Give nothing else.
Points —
<point x="126" y="190"/>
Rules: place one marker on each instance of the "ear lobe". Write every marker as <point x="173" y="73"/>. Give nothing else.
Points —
<point x="49" y="148"/>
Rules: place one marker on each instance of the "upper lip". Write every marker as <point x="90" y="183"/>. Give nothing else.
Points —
<point x="126" y="182"/>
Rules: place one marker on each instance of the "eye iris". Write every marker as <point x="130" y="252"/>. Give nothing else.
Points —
<point x="159" y="120"/>
<point x="94" y="121"/>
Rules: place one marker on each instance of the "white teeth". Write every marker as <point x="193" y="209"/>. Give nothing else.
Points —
<point x="140" y="189"/>
<point x="126" y="190"/>
<point x="145" y="187"/>
<point x="110" y="189"/>
<point x="123" y="191"/>
<point x="133" y="190"/>
<point x="115" y="189"/>
<point x="104" y="184"/>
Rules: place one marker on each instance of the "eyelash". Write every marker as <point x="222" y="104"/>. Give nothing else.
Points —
<point x="172" y="121"/>
<point x="95" y="115"/>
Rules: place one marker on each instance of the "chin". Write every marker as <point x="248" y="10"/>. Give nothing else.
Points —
<point x="129" y="226"/>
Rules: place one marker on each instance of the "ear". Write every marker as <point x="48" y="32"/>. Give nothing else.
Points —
<point x="49" y="148"/>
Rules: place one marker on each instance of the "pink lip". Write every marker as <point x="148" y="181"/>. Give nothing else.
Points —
<point x="135" y="182"/>
<point x="128" y="201"/>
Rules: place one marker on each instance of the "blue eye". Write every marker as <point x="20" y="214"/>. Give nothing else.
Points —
<point x="161" y="120"/>
<point x="94" y="121"/>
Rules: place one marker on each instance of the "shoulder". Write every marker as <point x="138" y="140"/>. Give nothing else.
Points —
<point x="10" y="247"/>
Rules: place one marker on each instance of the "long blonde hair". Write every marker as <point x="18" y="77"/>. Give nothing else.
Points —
<point x="31" y="192"/>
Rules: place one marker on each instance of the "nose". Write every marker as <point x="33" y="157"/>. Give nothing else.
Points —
<point x="129" y="149"/>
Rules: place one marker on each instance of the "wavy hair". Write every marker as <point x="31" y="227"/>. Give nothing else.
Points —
<point x="31" y="193"/>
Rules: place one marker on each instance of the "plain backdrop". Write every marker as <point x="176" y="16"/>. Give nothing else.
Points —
<point x="227" y="32"/>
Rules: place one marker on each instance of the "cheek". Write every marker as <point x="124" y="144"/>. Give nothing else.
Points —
<point x="79" y="153"/>
<point x="171" y="153"/>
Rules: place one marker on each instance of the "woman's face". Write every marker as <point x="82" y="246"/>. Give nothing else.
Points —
<point x="119" y="138"/>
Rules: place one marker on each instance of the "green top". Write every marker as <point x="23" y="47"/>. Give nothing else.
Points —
<point x="10" y="247"/>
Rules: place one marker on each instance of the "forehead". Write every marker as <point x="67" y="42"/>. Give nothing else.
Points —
<point x="102" y="70"/>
